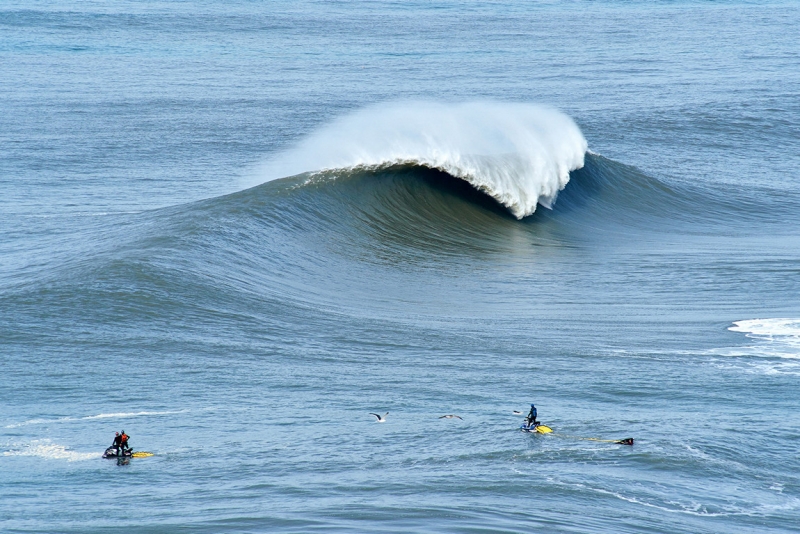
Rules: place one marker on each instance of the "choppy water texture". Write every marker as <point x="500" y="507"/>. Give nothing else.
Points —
<point x="233" y="230"/>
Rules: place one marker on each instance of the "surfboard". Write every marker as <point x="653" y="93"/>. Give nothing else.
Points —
<point x="141" y="454"/>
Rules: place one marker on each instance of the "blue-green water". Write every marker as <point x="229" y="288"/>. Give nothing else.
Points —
<point x="173" y="264"/>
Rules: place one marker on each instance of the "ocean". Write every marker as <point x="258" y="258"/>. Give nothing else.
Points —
<point x="235" y="230"/>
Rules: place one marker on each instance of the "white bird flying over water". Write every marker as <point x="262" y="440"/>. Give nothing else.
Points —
<point x="380" y="419"/>
<point x="451" y="416"/>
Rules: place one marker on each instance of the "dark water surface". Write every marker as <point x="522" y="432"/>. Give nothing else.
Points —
<point x="152" y="279"/>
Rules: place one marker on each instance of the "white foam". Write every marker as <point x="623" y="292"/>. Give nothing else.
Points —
<point x="37" y="422"/>
<point x="117" y="415"/>
<point x="788" y="328"/>
<point x="520" y="154"/>
<point x="777" y="337"/>
<point x="695" y="508"/>
<point x="122" y="415"/>
<point x="50" y="451"/>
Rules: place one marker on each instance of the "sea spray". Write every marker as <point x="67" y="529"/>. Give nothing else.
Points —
<point x="519" y="154"/>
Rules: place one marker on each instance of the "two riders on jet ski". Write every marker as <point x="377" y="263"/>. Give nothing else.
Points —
<point x="120" y="446"/>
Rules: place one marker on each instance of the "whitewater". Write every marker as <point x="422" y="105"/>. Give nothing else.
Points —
<point x="519" y="154"/>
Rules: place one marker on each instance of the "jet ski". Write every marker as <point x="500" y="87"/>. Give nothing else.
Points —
<point x="535" y="427"/>
<point x="113" y="452"/>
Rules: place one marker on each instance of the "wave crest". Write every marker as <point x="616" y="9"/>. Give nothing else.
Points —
<point x="519" y="154"/>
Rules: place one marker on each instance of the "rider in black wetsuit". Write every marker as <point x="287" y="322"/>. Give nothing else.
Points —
<point x="117" y="442"/>
<point x="531" y="419"/>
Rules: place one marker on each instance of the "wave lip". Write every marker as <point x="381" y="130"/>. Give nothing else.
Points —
<point x="519" y="154"/>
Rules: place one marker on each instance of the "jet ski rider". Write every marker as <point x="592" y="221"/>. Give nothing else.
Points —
<point x="531" y="419"/>
<point x="123" y="442"/>
<point x="117" y="442"/>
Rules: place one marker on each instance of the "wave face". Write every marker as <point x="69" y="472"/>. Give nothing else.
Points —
<point x="519" y="154"/>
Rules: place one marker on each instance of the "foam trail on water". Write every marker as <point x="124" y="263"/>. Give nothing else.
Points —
<point x="51" y="451"/>
<point x="520" y="154"/>
<point x="119" y="415"/>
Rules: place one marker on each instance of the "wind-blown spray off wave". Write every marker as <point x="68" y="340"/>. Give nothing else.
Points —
<point x="519" y="154"/>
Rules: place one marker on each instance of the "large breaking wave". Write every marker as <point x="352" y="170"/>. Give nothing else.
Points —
<point x="519" y="154"/>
